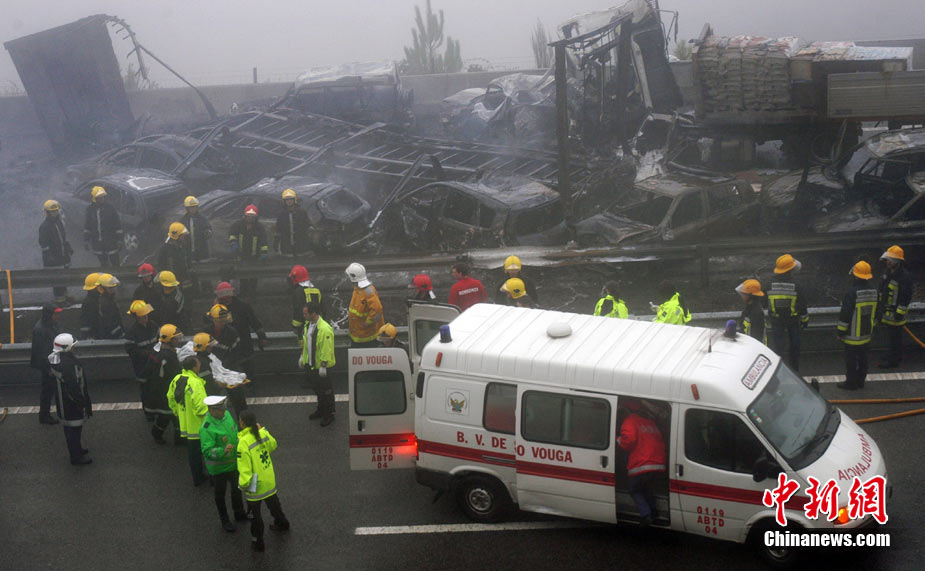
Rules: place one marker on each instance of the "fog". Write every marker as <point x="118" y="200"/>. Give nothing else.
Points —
<point x="214" y="41"/>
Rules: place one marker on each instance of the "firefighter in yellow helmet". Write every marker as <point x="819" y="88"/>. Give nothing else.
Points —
<point x="103" y="229"/>
<point x="517" y="294"/>
<point x="227" y="347"/>
<point x="292" y="227"/>
<point x="895" y="294"/>
<point x="166" y="367"/>
<point x="514" y="269"/>
<point x="90" y="308"/>
<point x="199" y="228"/>
<point x="56" y="250"/>
<point x="140" y="340"/>
<point x="751" y="322"/>
<point x="787" y="312"/>
<point x="110" y="324"/>
<point x="174" y="253"/>
<point x="856" y="322"/>
<point x="202" y="346"/>
<point x="173" y="308"/>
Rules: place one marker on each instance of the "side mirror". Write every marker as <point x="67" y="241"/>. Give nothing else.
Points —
<point x="765" y="468"/>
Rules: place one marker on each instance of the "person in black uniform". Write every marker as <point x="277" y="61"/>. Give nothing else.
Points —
<point x="103" y="229"/>
<point x="227" y="349"/>
<point x="173" y="307"/>
<point x="139" y="344"/>
<point x="166" y="368"/>
<point x="90" y="308"/>
<point x="855" y="326"/>
<point x="751" y="322"/>
<point x="245" y="321"/>
<point x="43" y="339"/>
<point x="110" y="322"/>
<point x="303" y="291"/>
<point x="199" y="229"/>
<point x="423" y="289"/>
<point x="291" y="227"/>
<point x="72" y="399"/>
<point x="148" y="290"/>
<point x="787" y="312"/>
<point x="173" y="255"/>
<point x="895" y="294"/>
<point x="248" y="241"/>
<point x="202" y="345"/>
<point x="56" y="250"/>
<point x="514" y="269"/>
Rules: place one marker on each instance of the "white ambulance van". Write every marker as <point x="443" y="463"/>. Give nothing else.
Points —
<point x="521" y="407"/>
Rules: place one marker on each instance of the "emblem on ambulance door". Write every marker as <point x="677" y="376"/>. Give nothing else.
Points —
<point x="457" y="402"/>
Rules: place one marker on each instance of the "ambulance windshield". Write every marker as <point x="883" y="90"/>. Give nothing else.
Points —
<point x="793" y="417"/>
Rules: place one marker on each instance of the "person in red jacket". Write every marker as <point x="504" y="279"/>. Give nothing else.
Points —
<point x="641" y="438"/>
<point x="467" y="291"/>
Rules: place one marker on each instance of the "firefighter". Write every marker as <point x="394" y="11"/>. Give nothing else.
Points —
<point x="73" y="400"/>
<point x="895" y="295"/>
<point x="610" y="305"/>
<point x="140" y="340"/>
<point x="751" y="322"/>
<point x="90" y="308"/>
<point x="218" y="439"/>
<point x="185" y="396"/>
<point x="173" y="255"/>
<point x="674" y="309"/>
<point x="248" y="241"/>
<point x="166" y="367"/>
<point x="245" y="321"/>
<point x="202" y="346"/>
<point x="388" y="337"/>
<point x="43" y="339"/>
<point x="317" y="356"/>
<point x="103" y="229"/>
<point x="303" y="291"/>
<point x="787" y="310"/>
<point x="110" y="322"/>
<point x="257" y="478"/>
<point x="292" y="227"/>
<point x="517" y="294"/>
<point x="646" y="460"/>
<point x="467" y="291"/>
<point x="227" y="349"/>
<point x="200" y="231"/>
<point x="856" y="324"/>
<point x="147" y="290"/>
<point x="365" y="313"/>
<point x="173" y="304"/>
<point x="423" y="289"/>
<point x="514" y="269"/>
<point x="56" y="250"/>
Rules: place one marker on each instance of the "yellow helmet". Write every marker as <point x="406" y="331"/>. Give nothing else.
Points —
<point x="387" y="331"/>
<point x="289" y="193"/>
<point x="512" y="263"/>
<point x="893" y="253"/>
<point x="176" y="230"/>
<point x="169" y="332"/>
<point x="167" y="279"/>
<point x="108" y="280"/>
<point x="218" y="311"/>
<point x="786" y="263"/>
<point x="51" y="206"/>
<point x="140" y="307"/>
<point x="96" y="192"/>
<point x="751" y="287"/>
<point x="515" y="287"/>
<point x="862" y="270"/>
<point x="202" y="341"/>
<point x="190" y="201"/>
<point x="91" y="281"/>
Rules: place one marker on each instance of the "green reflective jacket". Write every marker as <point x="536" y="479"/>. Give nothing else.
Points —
<point x="214" y="436"/>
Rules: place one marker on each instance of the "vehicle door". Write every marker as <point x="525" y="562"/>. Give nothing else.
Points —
<point x="424" y="321"/>
<point x="565" y="452"/>
<point x="686" y="218"/>
<point x="419" y="213"/>
<point x="381" y="414"/>
<point x="157" y="159"/>
<point x="712" y="474"/>
<point x="880" y="179"/>
<point x="460" y="225"/>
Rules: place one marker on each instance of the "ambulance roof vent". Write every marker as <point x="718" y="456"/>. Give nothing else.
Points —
<point x="559" y="329"/>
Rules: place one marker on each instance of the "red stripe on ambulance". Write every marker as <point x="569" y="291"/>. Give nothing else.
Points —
<point x="377" y="440"/>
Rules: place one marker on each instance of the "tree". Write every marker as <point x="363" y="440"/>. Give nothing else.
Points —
<point x="423" y="56"/>
<point x="683" y="50"/>
<point x="542" y="53"/>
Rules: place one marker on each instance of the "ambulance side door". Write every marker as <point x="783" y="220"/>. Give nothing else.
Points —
<point x="381" y="412"/>
<point x="424" y="321"/>
<point x="565" y="452"/>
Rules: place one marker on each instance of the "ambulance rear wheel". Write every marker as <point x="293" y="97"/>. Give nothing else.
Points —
<point x="483" y="499"/>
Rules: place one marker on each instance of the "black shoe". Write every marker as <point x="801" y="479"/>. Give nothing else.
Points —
<point x="316" y="415"/>
<point x="846" y="386"/>
<point x="158" y="436"/>
<point x="48" y="420"/>
<point x="258" y="545"/>
<point x="81" y="461"/>
<point x="327" y="420"/>
<point x="84" y="450"/>
<point x="199" y="482"/>
<point x="243" y="516"/>
<point x="275" y="527"/>
<point x="228" y="526"/>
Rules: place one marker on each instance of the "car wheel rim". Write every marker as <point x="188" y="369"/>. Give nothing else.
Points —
<point x="778" y="553"/>
<point x="479" y="499"/>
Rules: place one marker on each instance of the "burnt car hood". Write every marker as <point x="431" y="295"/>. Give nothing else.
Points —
<point x="607" y="229"/>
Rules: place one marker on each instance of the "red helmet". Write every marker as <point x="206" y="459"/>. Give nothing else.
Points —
<point x="422" y="282"/>
<point x="224" y="289"/>
<point x="145" y="270"/>
<point x="298" y="274"/>
<point x="250" y="209"/>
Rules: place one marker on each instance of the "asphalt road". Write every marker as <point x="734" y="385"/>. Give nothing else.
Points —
<point x="135" y="505"/>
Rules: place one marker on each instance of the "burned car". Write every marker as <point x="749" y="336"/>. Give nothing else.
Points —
<point x="672" y="207"/>
<point x="899" y="206"/>
<point x="502" y="212"/>
<point x="337" y="215"/>
<point x="202" y="167"/>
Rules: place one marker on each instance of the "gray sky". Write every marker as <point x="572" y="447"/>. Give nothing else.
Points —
<point x="214" y="41"/>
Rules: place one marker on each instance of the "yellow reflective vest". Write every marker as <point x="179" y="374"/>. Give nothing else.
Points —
<point x="672" y="312"/>
<point x="193" y="409"/>
<point x="254" y="458"/>
<point x="322" y="350"/>
<point x="616" y="307"/>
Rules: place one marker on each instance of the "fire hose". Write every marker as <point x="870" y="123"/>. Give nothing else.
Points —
<point x="883" y="401"/>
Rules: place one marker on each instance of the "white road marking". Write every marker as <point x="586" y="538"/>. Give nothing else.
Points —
<point x="109" y="406"/>
<point x="472" y="527"/>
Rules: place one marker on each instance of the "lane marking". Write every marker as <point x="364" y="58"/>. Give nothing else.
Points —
<point x="473" y="527"/>
<point x="110" y="406"/>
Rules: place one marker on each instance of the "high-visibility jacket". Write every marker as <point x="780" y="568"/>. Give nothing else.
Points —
<point x="858" y="314"/>
<point x="318" y="344"/>
<point x="365" y="314"/>
<point x="751" y="322"/>
<point x="895" y="295"/>
<point x="214" y="436"/>
<point x="192" y="410"/>
<point x="786" y="302"/>
<point x="254" y="458"/>
<point x="642" y="439"/>
<point x="672" y="312"/>
<point x="609" y="306"/>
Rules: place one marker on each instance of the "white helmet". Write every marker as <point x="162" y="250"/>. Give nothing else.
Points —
<point x="63" y="342"/>
<point x="357" y="274"/>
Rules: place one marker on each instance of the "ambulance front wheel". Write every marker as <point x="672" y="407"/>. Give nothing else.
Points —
<point x="776" y="557"/>
<point x="482" y="498"/>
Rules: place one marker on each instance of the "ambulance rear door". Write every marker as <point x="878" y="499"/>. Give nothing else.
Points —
<point x="424" y="321"/>
<point x="381" y="409"/>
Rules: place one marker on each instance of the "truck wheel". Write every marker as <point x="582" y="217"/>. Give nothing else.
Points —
<point x="483" y="499"/>
<point x="776" y="557"/>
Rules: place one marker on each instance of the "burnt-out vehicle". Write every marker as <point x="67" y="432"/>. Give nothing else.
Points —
<point x="672" y="207"/>
<point x="337" y="215"/>
<point x="503" y="212"/>
<point x="202" y="167"/>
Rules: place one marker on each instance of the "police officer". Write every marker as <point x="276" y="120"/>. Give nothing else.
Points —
<point x="166" y="368"/>
<point x="895" y="295"/>
<point x="787" y="310"/>
<point x="218" y="439"/>
<point x="73" y="399"/>
<point x="317" y="356"/>
<point x="173" y="307"/>
<point x="245" y="321"/>
<point x="110" y="322"/>
<point x="56" y="250"/>
<point x="292" y="227"/>
<point x="751" y="322"/>
<point x="610" y="305"/>
<point x="173" y="255"/>
<point x="226" y="347"/>
<point x="364" y="318"/>
<point x="148" y="291"/>
<point x="103" y="229"/>
<point x="200" y="231"/>
<point x="185" y="396"/>
<point x="514" y="269"/>
<point x="90" y="308"/>
<point x="43" y="339"/>
<point x="673" y="310"/>
<point x="303" y="291"/>
<point x="856" y="324"/>
<point x="248" y="241"/>
<point x="257" y="478"/>
<point x="140" y="340"/>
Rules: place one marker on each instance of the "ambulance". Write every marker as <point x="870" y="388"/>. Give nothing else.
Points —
<point x="512" y="407"/>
